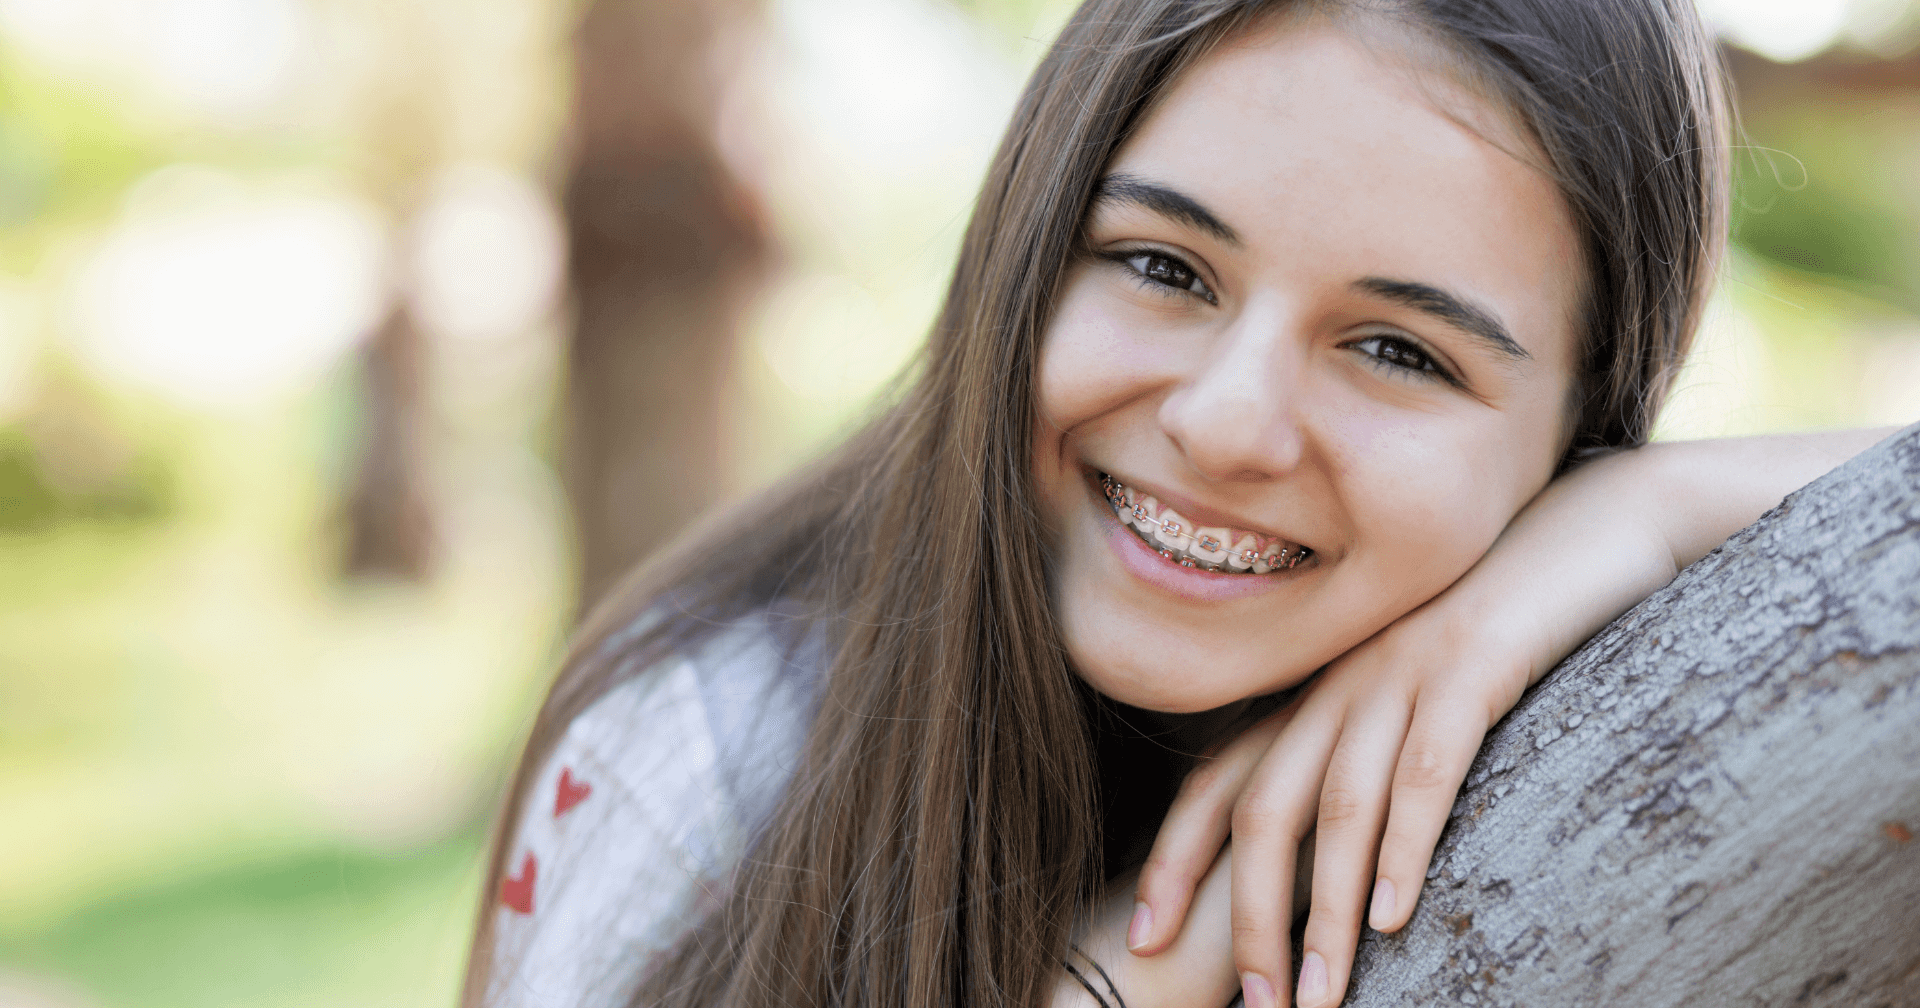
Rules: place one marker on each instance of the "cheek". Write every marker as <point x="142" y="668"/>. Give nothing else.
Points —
<point x="1095" y="358"/>
<point x="1426" y="499"/>
<point x="1072" y="347"/>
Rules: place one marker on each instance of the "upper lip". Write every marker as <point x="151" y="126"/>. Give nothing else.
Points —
<point x="1199" y="514"/>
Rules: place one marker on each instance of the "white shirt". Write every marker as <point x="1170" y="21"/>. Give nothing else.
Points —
<point x="633" y="826"/>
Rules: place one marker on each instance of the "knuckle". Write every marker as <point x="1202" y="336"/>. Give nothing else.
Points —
<point x="1422" y="768"/>
<point x="1166" y="870"/>
<point x="1340" y="806"/>
<point x="1254" y="812"/>
<point x="1250" y="928"/>
<point x="1400" y="836"/>
<point x="1205" y="779"/>
<point x="1328" y="922"/>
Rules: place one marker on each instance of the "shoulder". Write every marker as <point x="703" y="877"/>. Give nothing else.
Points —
<point x="632" y="826"/>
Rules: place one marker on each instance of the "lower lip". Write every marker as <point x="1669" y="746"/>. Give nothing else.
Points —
<point x="1191" y="583"/>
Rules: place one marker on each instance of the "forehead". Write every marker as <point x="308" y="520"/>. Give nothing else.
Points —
<point x="1334" y="155"/>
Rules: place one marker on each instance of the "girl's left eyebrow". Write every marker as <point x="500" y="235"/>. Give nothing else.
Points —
<point x="1453" y="310"/>
<point x="1119" y="188"/>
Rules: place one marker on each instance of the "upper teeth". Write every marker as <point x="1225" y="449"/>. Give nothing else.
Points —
<point x="1174" y="537"/>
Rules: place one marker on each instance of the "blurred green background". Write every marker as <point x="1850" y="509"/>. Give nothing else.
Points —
<point x="287" y="551"/>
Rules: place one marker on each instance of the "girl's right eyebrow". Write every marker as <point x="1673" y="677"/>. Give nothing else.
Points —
<point x="1121" y="188"/>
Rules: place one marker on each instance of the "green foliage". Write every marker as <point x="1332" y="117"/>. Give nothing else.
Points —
<point x="324" y="926"/>
<point x="66" y="151"/>
<point x="70" y="148"/>
<point x="1824" y="188"/>
<point x="27" y="503"/>
<point x="31" y="502"/>
<point x="1823" y="230"/>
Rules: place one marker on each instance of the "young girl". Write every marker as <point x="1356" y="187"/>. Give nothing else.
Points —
<point x="1287" y="338"/>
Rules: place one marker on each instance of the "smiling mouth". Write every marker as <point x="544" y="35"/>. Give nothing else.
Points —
<point x="1224" y="550"/>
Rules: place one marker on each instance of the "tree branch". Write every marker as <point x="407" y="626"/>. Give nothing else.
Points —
<point x="1714" y="801"/>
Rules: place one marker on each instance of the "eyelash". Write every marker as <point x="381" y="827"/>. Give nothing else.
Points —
<point x="1432" y="372"/>
<point x="1126" y="259"/>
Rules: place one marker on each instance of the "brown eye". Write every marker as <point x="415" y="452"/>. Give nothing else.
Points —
<point x="1400" y="355"/>
<point x="1165" y="271"/>
<point x="1396" y="352"/>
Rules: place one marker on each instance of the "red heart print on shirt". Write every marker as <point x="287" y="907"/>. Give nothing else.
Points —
<point x="570" y="793"/>
<point x="517" y="893"/>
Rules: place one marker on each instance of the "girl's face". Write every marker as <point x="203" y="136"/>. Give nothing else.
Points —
<point x="1321" y="323"/>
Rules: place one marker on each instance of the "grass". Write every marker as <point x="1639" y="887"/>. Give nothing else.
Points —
<point x="327" y="926"/>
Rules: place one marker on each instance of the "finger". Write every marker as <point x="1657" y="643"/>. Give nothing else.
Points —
<point x="1271" y="815"/>
<point x="1352" y="809"/>
<point x="1433" y="761"/>
<point x="1190" y="838"/>
<point x="1198" y="955"/>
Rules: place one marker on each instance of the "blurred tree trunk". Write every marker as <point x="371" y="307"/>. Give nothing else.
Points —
<point x="666" y="247"/>
<point x="389" y="513"/>
<point x="389" y="510"/>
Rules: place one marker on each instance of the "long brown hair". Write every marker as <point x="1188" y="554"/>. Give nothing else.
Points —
<point x="944" y="831"/>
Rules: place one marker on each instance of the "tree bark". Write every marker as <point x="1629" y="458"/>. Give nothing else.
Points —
<point x="666" y="247"/>
<point x="1714" y="801"/>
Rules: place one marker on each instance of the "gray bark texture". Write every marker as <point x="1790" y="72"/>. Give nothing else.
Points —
<point x="1714" y="801"/>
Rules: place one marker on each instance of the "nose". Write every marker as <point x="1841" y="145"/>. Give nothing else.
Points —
<point x="1237" y="417"/>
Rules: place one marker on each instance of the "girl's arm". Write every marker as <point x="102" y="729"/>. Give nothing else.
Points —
<point x="1692" y="494"/>
<point x="1369" y="761"/>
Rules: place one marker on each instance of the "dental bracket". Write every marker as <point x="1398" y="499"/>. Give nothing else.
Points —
<point x="1116" y="494"/>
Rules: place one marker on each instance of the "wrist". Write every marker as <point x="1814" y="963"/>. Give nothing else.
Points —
<point x="1657" y="482"/>
<point x="1590" y="546"/>
<point x="1489" y="634"/>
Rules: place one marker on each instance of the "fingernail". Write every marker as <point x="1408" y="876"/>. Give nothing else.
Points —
<point x="1142" y="927"/>
<point x="1313" y="980"/>
<point x="1382" y="903"/>
<point x="1257" y="991"/>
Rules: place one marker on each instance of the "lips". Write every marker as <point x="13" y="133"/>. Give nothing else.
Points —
<point x="1181" y="541"/>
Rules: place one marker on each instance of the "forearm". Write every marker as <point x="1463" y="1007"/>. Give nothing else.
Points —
<point x="1652" y="511"/>
<point x="1712" y="489"/>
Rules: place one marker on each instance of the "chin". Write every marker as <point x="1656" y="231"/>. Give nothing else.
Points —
<point x="1171" y="683"/>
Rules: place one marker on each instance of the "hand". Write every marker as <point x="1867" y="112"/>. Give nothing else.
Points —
<point x="1368" y="760"/>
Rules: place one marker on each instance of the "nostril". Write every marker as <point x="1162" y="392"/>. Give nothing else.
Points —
<point x="1227" y="443"/>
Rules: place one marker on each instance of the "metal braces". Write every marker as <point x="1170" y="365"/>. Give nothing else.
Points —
<point x="1116" y="493"/>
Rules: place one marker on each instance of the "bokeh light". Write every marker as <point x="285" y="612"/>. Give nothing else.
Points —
<point x="212" y="293"/>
